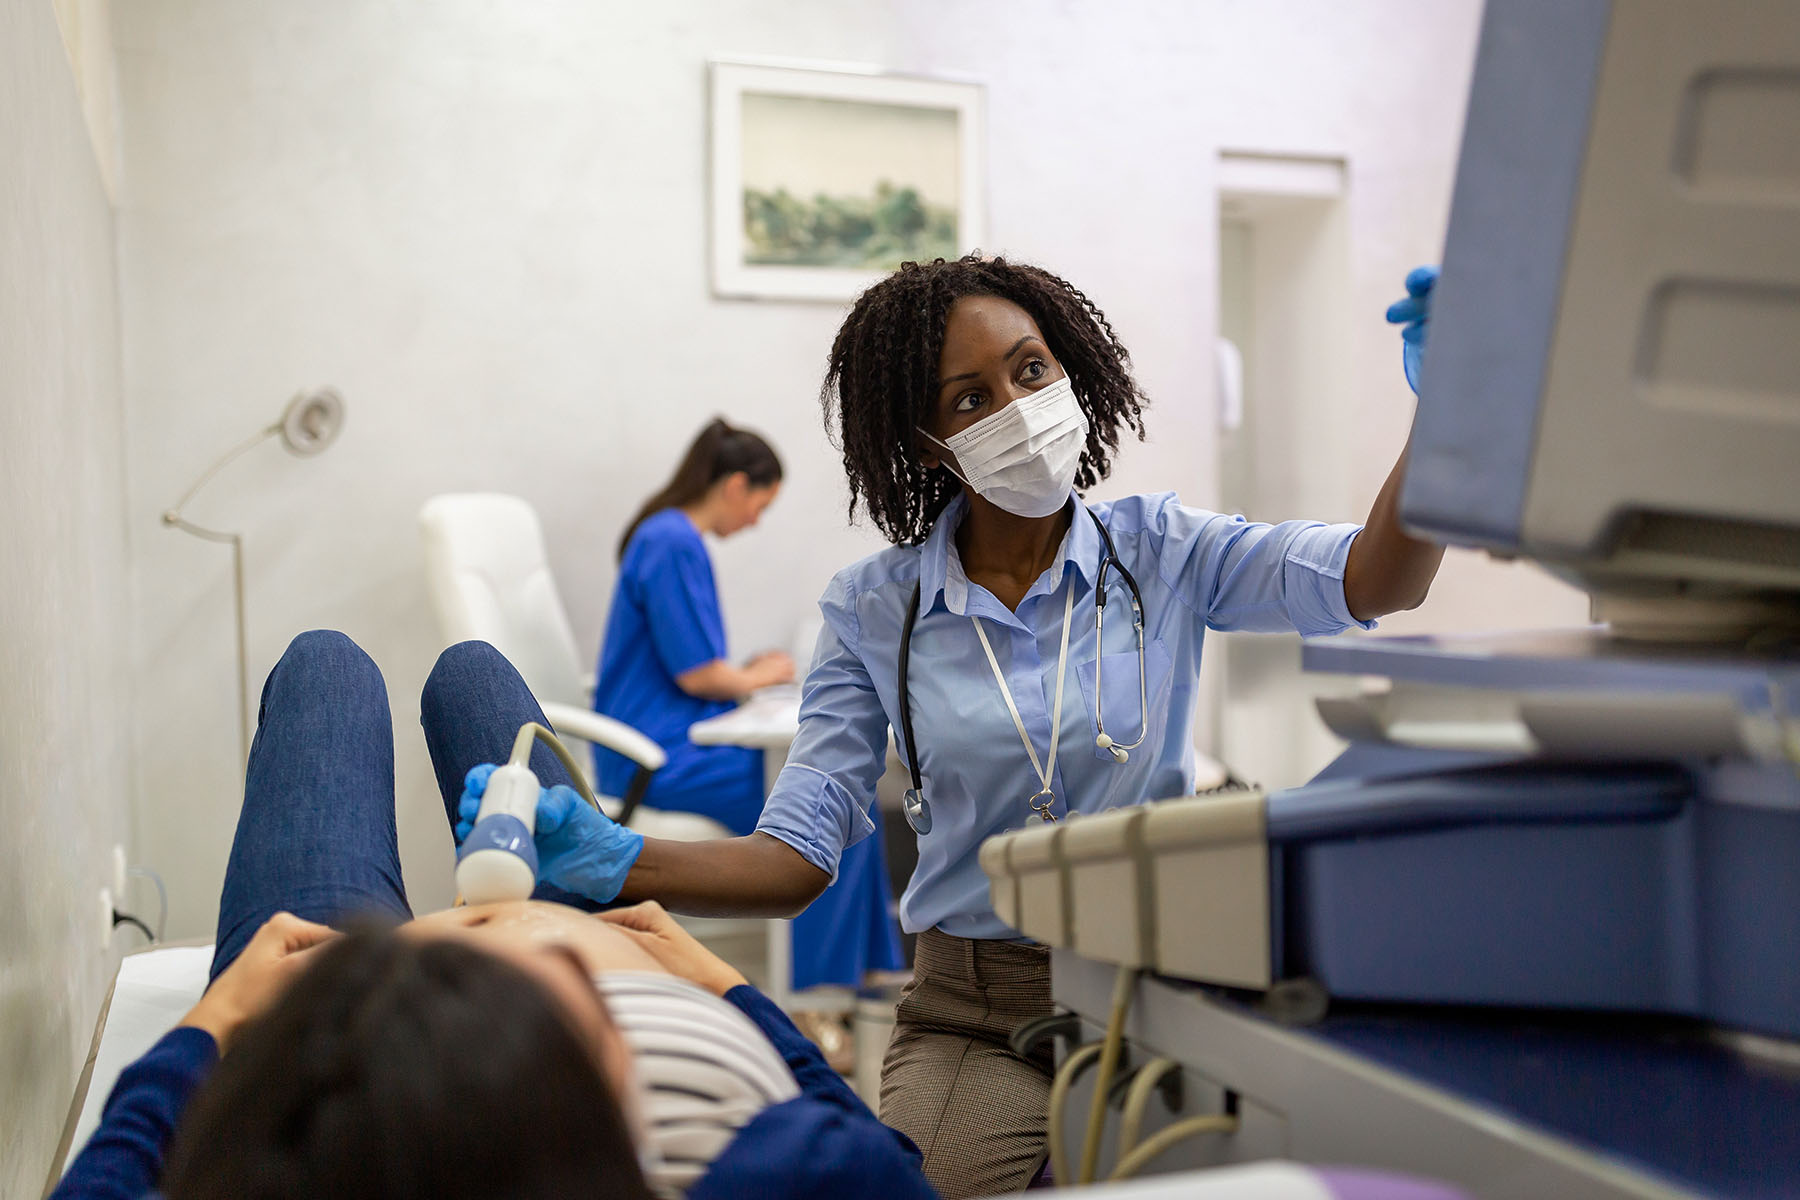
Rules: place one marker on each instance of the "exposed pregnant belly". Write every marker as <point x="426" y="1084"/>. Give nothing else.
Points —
<point x="523" y="923"/>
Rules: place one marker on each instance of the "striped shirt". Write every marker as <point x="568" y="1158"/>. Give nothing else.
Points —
<point x="704" y="1071"/>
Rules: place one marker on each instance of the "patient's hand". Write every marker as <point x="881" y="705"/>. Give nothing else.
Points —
<point x="280" y="950"/>
<point x="652" y="928"/>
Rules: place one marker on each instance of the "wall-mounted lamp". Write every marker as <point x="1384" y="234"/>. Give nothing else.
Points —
<point x="308" y="425"/>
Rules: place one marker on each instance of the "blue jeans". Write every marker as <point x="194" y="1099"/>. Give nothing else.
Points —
<point x="316" y="834"/>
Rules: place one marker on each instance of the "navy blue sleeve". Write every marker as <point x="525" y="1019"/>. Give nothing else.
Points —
<point x="124" y="1157"/>
<point x="828" y="1136"/>
<point x="671" y="577"/>
<point x="811" y="1072"/>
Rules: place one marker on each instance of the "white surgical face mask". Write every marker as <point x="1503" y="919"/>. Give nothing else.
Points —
<point x="1024" y="457"/>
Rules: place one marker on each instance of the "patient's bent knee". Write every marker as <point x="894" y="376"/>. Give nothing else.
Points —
<point x="464" y="656"/>
<point x="460" y="661"/>
<point x="328" y="649"/>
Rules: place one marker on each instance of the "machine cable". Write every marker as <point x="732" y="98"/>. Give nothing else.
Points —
<point x="1162" y="1139"/>
<point x="1138" y="1099"/>
<point x="1059" y="1100"/>
<point x="1109" y="1063"/>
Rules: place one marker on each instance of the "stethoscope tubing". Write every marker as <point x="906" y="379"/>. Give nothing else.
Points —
<point x="918" y="811"/>
<point x="1105" y="741"/>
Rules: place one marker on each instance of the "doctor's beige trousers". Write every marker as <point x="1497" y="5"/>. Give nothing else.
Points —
<point x="951" y="1082"/>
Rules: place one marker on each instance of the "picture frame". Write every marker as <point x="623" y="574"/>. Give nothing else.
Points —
<point x="825" y="178"/>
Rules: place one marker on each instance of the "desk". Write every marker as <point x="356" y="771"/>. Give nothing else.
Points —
<point x="767" y="721"/>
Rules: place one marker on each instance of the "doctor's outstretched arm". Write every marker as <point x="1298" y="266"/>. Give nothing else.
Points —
<point x="1388" y="569"/>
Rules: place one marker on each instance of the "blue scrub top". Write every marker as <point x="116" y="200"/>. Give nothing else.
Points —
<point x="665" y="621"/>
<point x="1198" y="570"/>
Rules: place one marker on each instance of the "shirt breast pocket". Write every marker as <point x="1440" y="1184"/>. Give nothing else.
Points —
<point x="1121" y="695"/>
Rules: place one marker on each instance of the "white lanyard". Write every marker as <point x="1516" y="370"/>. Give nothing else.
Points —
<point x="1044" y="797"/>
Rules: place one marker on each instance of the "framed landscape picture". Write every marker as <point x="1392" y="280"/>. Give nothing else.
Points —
<point x="825" y="180"/>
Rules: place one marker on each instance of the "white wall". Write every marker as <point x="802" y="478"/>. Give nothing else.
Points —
<point x="486" y="224"/>
<point x="65" y="681"/>
<point x="86" y="27"/>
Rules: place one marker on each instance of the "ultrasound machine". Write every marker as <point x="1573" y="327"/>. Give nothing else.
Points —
<point x="1537" y="931"/>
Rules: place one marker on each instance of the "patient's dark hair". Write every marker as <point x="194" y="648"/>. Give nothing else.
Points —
<point x="402" y="1068"/>
<point x="881" y="381"/>
<point x="719" y="451"/>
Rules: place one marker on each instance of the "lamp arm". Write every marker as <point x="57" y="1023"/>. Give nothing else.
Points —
<point x="236" y="542"/>
<point x="173" y="518"/>
<point x="173" y="515"/>
<point x="308" y="425"/>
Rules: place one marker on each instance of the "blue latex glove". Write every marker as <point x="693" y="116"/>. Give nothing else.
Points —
<point x="580" y="849"/>
<point x="1413" y="313"/>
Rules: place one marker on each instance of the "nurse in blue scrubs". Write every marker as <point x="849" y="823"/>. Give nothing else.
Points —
<point x="664" y="666"/>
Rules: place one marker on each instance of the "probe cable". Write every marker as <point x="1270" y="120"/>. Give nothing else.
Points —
<point x="521" y="757"/>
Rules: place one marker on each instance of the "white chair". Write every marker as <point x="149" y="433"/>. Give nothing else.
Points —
<point x="489" y="579"/>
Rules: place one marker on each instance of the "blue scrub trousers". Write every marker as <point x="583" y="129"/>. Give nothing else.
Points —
<point x="846" y="932"/>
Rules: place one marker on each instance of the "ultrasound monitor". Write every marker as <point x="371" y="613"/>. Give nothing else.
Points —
<point x="1612" y="381"/>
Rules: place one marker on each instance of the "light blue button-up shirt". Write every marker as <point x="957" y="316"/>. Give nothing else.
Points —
<point x="1197" y="571"/>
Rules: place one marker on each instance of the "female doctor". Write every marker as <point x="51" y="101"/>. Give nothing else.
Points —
<point x="974" y="399"/>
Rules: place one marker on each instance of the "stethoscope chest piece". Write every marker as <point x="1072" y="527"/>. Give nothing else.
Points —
<point x="918" y="812"/>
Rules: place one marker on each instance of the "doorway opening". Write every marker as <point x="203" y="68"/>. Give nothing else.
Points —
<point x="1284" y="356"/>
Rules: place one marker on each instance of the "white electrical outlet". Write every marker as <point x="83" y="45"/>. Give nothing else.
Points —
<point x="118" y="870"/>
<point x="106" y="918"/>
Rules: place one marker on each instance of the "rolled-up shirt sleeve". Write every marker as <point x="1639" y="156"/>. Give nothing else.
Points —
<point x="820" y="802"/>
<point x="1246" y="576"/>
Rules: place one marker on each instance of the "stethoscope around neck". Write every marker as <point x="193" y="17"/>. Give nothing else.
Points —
<point x="918" y="810"/>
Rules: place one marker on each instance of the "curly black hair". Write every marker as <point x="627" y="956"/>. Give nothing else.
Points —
<point x="881" y="381"/>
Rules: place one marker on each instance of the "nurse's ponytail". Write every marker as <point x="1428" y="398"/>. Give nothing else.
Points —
<point x="719" y="451"/>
